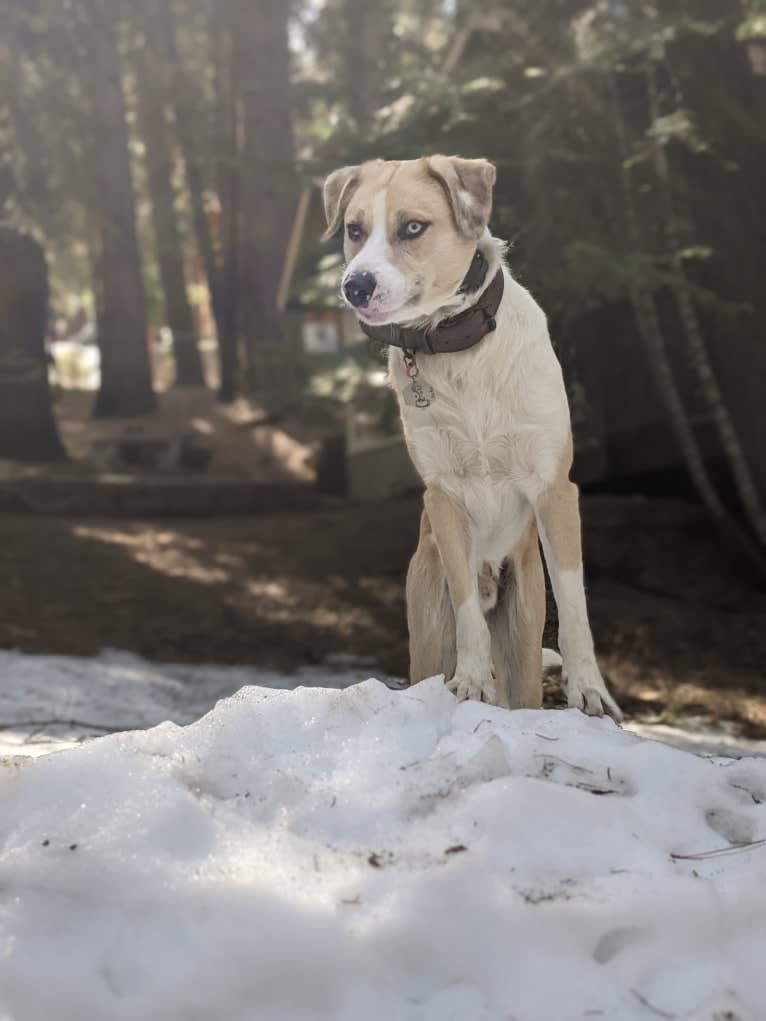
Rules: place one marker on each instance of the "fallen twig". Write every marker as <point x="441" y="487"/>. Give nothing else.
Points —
<point x="741" y="787"/>
<point x="717" y="851"/>
<point x="83" y="724"/>
<point x="650" y="1006"/>
<point x="556" y="761"/>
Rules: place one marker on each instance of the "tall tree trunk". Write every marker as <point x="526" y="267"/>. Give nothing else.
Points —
<point x="159" y="165"/>
<point x="269" y="187"/>
<point x="650" y="331"/>
<point x="727" y="198"/>
<point x="698" y="355"/>
<point x="27" y="426"/>
<point x="126" y="386"/>
<point x="227" y="98"/>
<point x="367" y="29"/>
<point x="186" y="132"/>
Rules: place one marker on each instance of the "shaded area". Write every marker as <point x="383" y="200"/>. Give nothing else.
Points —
<point x="678" y="630"/>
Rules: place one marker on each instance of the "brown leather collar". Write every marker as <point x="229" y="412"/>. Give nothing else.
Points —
<point x="458" y="333"/>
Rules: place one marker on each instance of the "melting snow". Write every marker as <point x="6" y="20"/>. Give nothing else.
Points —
<point x="378" y="854"/>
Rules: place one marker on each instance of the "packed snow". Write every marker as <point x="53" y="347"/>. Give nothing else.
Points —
<point x="372" y="853"/>
<point x="52" y="702"/>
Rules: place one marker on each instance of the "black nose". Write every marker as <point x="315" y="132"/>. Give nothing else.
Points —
<point x="359" y="288"/>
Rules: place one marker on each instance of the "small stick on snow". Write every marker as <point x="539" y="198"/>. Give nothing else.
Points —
<point x="563" y="762"/>
<point x="650" y="1006"/>
<point x="741" y="787"/>
<point x="80" y="724"/>
<point x="732" y="849"/>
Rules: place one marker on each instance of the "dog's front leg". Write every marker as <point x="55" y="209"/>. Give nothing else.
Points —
<point x="474" y="674"/>
<point x="558" y="520"/>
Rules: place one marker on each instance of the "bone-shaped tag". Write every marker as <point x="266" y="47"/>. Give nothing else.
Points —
<point x="419" y="395"/>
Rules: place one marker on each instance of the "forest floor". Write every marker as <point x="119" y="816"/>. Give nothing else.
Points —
<point x="244" y="444"/>
<point x="680" y="632"/>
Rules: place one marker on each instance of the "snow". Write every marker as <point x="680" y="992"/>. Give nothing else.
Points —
<point x="52" y="702"/>
<point x="323" y="853"/>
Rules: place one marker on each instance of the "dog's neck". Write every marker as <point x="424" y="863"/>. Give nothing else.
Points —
<point x="492" y="249"/>
<point x="461" y="322"/>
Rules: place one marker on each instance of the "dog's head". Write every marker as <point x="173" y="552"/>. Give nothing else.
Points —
<point x="410" y="232"/>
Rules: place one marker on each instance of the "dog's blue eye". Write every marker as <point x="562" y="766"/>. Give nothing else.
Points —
<point x="412" y="229"/>
<point x="354" y="232"/>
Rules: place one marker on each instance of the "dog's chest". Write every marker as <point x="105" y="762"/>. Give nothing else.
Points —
<point x="461" y="424"/>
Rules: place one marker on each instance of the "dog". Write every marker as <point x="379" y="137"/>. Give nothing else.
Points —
<point x="486" y="421"/>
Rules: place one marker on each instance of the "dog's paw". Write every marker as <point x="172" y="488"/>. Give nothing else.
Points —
<point x="586" y="691"/>
<point x="478" y="685"/>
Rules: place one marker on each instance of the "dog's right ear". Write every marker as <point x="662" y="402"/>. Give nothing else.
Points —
<point x="338" y="188"/>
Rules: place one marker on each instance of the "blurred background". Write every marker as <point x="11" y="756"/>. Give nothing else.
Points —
<point x="199" y="458"/>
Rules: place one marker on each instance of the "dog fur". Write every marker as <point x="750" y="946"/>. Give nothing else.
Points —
<point x="494" y="448"/>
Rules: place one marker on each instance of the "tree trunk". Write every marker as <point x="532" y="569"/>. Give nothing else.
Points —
<point x="159" y="165"/>
<point x="650" y="331"/>
<point x="227" y="97"/>
<point x="727" y="198"/>
<point x="698" y="356"/>
<point x="367" y="31"/>
<point x="27" y="426"/>
<point x="126" y="385"/>
<point x="269" y="187"/>
<point x="184" y="119"/>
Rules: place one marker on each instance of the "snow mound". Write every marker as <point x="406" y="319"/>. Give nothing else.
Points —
<point x="368" y="853"/>
<point x="50" y="702"/>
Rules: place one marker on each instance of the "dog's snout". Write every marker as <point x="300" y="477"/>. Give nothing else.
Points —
<point x="359" y="288"/>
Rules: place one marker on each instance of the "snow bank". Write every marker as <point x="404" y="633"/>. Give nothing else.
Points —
<point x="376" y="854"/>
<point x="51" y="702"/>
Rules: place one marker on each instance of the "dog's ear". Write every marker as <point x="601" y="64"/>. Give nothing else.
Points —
<point x="338" y="188"/>
<point x="468" y="187"/>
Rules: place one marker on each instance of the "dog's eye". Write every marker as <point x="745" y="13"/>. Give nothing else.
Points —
<point x="354" y="232"/>
<point x="412" y="229"/>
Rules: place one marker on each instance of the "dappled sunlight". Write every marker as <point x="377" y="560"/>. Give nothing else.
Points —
<point x="270" y="589"/>
<point x="243" y="449"/>
<point x="149" y="536"/>
<point x="288" y="590"/>
<point x="681" y="696"/>
<point x="165" y="552"/>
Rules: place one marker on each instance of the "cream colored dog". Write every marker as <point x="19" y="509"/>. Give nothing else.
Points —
<point x="487" y="428"/>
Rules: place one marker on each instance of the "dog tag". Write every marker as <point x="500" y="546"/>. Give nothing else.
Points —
<point x="418" y="394"/>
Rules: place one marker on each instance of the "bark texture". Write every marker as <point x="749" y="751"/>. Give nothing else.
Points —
<point x="159" y="166"/>
<point x="126" y="385"/>
<point x="27" y="426"/>
<point x="268" y="187"/>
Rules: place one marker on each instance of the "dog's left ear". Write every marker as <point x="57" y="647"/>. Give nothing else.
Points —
<point x="338" y="188"/>
<point x="468" y="186"/>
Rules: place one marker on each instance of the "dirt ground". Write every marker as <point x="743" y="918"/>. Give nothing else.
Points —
<point x="244" y="447"/>
<point x="680" y="630"/>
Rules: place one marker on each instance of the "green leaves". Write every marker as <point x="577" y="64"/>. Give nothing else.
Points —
<point x="676" y="126"/>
